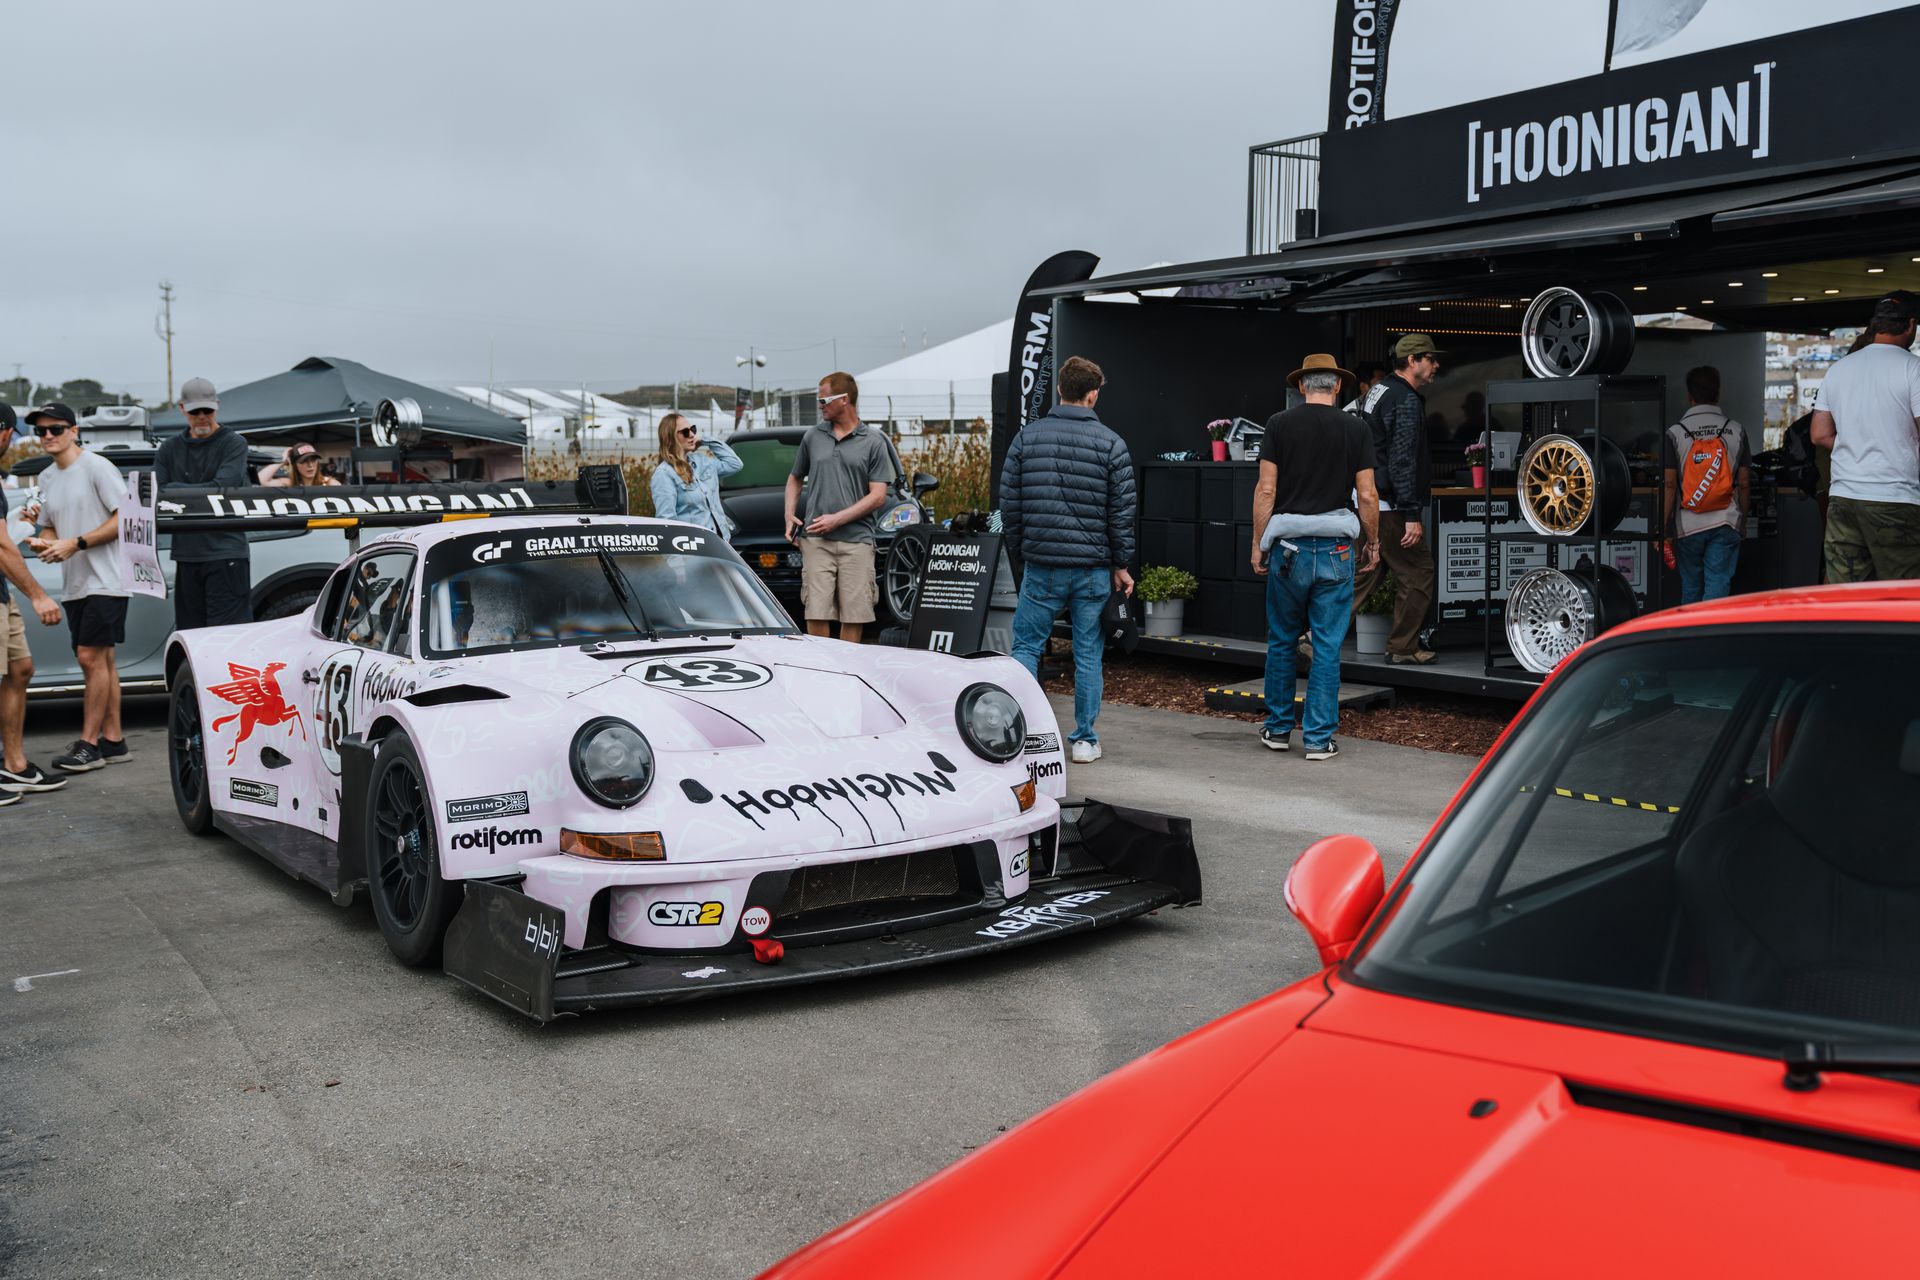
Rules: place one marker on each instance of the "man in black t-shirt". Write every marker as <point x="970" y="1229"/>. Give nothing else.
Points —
<point x="1315" y="512"/>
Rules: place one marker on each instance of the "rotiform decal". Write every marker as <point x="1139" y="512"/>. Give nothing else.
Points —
<point x="1051" y="914"/>
<point x="491" y="838"/>
<point x="254" y="792"/>
<point x="1734" y="117"/>
<point x="1038" y="769"/>
<point x="472" y="809"/>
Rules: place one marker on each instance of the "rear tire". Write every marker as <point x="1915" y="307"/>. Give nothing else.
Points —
<point x="187" y="756"/>
<point x="287" y="605"/>
<point x="411" y="901"/>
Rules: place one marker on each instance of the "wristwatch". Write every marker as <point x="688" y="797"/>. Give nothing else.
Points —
<point x="81" y="542"/>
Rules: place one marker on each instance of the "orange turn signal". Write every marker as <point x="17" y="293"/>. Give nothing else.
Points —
<point x="632" y="846"/>
<point x="1025" y="794"/>
<point x="769" y="560"/>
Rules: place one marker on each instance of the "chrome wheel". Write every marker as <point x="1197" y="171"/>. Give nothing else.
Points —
<point x="1552" y="612"/>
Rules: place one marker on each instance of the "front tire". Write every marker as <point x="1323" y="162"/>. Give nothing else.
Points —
<point x="187" y="757"/>
<point x="411" y="901"/>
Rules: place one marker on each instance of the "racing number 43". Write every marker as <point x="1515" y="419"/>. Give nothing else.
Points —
<point x="705" y="673"/>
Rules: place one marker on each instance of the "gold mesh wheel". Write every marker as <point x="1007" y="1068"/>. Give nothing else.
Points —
<point x="1557" y="485"/>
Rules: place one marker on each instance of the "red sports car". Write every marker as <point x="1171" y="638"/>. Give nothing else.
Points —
<point x="1646" y="1002"/>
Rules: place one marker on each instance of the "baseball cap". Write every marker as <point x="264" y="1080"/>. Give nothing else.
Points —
<point x="8" y="418"/>
<point x="198" y="393"/>
<point x="55" y="410"/>
<point x="1906" y="300"/>
<point x="304" y="451"/>
<point x="1415" y="344"/>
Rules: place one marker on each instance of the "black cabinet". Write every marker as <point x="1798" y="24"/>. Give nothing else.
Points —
<point x="1198" y="516"/>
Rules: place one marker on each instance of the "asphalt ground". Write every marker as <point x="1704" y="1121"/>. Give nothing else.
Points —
<point x="237" y="1080"/>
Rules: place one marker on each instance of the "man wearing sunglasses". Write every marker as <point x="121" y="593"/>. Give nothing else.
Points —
<point x="212" y="574"/>
<point x="17" y="773"/>
<point x="847" y="468"/>
<point x="78" y="516"/>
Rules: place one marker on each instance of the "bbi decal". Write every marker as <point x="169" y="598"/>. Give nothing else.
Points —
<point x="507" y="804"/>
<point x="257" y="694"/>
<point x="679" y="913"/>
<point x="1045" y="915"/>
<point x="542" y="937"/>
<point x="497" y="838"/>
<point x="254" y="792"/>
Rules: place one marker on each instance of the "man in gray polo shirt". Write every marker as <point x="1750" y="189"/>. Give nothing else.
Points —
<point x="847" y="468"/>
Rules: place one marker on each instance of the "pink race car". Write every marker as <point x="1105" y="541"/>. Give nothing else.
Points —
<point x="589" y="761"/>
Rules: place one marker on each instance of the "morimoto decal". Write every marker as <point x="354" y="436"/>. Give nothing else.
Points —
<point x="855" y="791"/>
<point x="1038" y="769"/>
<point x="1721" y="117"/>
<point x="490" y="838"/>
<point x="254" y="792"/>
<point x="515" y="499"/>
<point x="1051" y="914"/>
<point x="686" y="913"/>
<point x="700" y="673"/>
<point x="755" y="921"/>
<point x="1042" y="743"/>
<point x="542" y="937"/>
<point x="257" y="693"/>
<point x="505" y="805"/>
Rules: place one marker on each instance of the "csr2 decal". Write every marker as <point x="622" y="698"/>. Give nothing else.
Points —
<point x="693" y="913"/>
<point x="257" y="693"/>
<point x="505" y="805"/>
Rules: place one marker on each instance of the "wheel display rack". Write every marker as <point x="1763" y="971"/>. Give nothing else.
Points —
<point x="1601" y="394"/>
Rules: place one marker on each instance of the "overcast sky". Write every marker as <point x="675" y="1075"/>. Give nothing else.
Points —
<point x="608" y="193"/>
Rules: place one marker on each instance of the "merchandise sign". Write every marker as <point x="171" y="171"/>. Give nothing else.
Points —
<point x="139" y="546"/>
<point x="1733" y="114"/>
<point x="956" y="587"/>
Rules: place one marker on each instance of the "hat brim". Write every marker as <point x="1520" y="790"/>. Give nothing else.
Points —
<point x="188" y="406"/>
<point x="1293" y="379"/>
<point x="33" y="419"/>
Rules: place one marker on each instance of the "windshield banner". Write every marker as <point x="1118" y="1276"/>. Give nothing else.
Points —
<point x="598" y="490"/>
<point x="139" y="540"/>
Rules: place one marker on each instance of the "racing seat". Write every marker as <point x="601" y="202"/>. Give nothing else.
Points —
<point x="1808" y="900"/>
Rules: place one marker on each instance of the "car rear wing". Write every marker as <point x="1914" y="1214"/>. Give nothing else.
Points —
<point x="597" y="490"/>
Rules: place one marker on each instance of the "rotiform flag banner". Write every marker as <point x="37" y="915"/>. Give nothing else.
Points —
<point x="1362" y="30"/>
<point x="1030" y="368"/>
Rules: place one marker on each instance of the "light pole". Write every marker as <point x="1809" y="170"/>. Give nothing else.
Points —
<point x="753" y="360"/>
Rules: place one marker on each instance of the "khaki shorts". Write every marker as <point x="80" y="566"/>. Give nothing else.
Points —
<point x="13" y="624"/>
<point x="836" y="580"/>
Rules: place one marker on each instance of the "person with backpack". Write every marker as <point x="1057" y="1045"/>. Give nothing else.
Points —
<point x="1396" y="413"/>
<point x="1708" y="475"/>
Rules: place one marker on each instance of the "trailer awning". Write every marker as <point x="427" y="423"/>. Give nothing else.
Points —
<point x="1889" y="196"/>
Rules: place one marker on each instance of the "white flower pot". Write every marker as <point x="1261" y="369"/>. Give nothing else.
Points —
<point x="1370" y="632"/>
<point x="1163" y="617"/>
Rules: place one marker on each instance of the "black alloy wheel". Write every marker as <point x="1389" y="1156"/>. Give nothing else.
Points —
<point x="900" y="577"/>
<point x="1564" y="334"/>
<point x="187" y="757"/>
<point x="412" y="902"/>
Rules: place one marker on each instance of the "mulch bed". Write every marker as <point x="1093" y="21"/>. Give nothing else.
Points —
<point x="1434" y="721"/>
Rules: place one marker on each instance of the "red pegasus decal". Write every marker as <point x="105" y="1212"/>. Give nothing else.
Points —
<point x="257" y="694"/>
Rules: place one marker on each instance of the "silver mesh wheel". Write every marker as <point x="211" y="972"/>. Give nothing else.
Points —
<point x="1552" y="612"/>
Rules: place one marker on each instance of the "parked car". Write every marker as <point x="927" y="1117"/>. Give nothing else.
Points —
<point x="755" y="499"/>
<point x="1645" y="1003"/>
<point x="289" y="567"/>
<point x="591" y="759"/>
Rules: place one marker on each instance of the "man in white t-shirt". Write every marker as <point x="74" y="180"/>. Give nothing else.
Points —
<point x="1869" y="415"/>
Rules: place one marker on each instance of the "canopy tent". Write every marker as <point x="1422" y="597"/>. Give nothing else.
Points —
<point x="330" y="398"/>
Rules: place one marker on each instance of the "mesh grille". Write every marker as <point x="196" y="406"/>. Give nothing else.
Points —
<point x="930" y="873"/>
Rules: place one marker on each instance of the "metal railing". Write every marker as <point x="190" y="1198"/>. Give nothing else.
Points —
<point x="1283" y="193"/>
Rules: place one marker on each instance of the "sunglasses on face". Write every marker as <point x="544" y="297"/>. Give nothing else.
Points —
<point x="58" y="428"/>
<point x="689" y="432"/>
<point x="199" y="413"/>
<point x="827" y="400"/>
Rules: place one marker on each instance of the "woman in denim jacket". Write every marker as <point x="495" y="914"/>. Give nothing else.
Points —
<point x="686" y="476"/>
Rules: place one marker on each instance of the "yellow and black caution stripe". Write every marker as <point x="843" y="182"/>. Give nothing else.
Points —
<point x="1618" y="802"/>
<point x="1221" y="698"/>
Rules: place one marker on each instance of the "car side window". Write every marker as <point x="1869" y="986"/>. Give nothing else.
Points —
<point x="377" y="593"/>
<point x="333" y="597"/>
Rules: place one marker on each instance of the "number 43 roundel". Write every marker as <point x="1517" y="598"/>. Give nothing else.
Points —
<point x="715" y="674"/>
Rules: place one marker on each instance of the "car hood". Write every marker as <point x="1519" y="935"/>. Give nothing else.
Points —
<point x="1254" y="1147"/>
<point x="756" y="513"/>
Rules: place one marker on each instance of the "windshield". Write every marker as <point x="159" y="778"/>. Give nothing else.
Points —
<point x="1714" y="839"/>
<point x="526" y="593"/>
<point x="764" y="463"/>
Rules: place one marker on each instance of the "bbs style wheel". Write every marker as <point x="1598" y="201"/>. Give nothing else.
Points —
<point x="1565" y="334"/>
<point x="1563" y="489"/>
<point x="1552" y="612"/>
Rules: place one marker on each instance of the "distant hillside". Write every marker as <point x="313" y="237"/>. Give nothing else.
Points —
<point x="691" y="393"/>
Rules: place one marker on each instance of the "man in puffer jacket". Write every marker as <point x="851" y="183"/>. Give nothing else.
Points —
<point x="1066" y="502"/>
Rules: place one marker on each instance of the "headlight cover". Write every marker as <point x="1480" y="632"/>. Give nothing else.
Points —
<point x="991" y="722"/>
<point x="612" y="762"/>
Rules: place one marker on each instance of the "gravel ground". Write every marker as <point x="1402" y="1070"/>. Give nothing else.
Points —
<point x="1434" y="721"/>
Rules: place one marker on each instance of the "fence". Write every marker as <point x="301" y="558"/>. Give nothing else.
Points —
<point x="1283" y="193"/>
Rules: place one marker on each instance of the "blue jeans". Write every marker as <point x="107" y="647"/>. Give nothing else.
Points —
<point x="1309" y="590"/>
<point x="1046" y="590"/>
<point x="1706" y="562"/>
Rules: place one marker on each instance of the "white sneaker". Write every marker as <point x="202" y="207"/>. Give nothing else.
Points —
<point x="1086" y="752"/>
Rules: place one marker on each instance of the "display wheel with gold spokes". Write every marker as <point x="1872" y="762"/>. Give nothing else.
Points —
<point x="1561" y="488"/>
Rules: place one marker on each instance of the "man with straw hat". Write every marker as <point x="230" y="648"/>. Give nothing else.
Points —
<point x="1318" y="514"/>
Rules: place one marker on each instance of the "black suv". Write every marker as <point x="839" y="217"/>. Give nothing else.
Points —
<point x="755" y="499"/>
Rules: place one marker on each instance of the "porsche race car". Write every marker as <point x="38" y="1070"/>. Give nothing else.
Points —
<point x="584" y="759"/>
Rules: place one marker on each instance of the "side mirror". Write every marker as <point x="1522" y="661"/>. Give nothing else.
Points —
<point x="1333" y="890"/>
<point x="924" y="483"/>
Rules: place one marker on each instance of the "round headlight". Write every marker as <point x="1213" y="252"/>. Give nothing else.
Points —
<point x="991" y="722"/>
<point x="612" y="762"/>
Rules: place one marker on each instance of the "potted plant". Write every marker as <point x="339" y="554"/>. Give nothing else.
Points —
<point x="1477" y="459"/>
<point x="1217" y="432"/>
<point x="1164" y="591"/>
<point x="1375" y="618"/>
